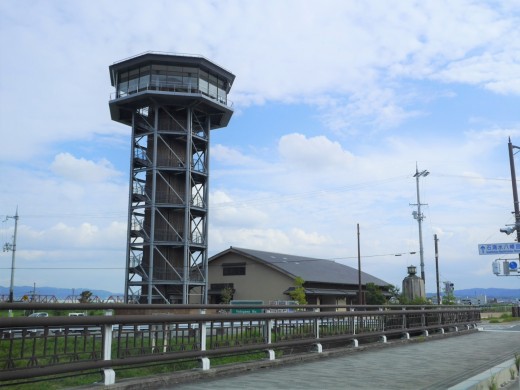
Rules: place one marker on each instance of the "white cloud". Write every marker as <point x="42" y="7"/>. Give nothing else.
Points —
<point x="226" y="211"/>
<point x="354" y="54"/>
<point x="382" y="77"/>
<point x="69" y="255"/>
<point x="497" y="72"/>
<point x="308" y="238"/>
<point x="267" y="239"/>
<point x="81" y="169"/>
<point x="229" y="156"/>
<point x="313" y="154"/>
<point x="275" y="240"/>
<point x="304" y="213"/>
<point x="63" y="236"/>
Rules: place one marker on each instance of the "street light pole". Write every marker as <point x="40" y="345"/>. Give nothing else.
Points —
<point x="418" y="215"/>
<point x="437" y="268"/>
<point x="510" y="229"/>
<point x="515" y="191"/>
<point x="360" y="294"/>
<point x="12" y="247"/>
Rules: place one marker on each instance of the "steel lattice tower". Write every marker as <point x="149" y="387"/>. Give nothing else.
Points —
<point x="171" y="102"/>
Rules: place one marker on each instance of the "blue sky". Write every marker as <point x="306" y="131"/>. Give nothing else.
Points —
<point x="335" y="104"/>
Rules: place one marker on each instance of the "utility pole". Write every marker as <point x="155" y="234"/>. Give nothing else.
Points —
<point x="510" y="229"/>
<point x="360" y="293"/>
<point x="437" y="268"/>
<point x="515" y="190"/>
<point x="418" y="215"/>
<point x="12" y="247"/>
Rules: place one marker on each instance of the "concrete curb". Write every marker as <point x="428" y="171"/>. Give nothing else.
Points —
<point x="500" y="374"/>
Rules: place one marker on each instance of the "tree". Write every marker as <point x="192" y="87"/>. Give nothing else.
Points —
<point x="449" y="296"/>
<point x="226" y="295"/>
<point x="85" y="297"/>
<point x="449" y="299"/>
<point x="395" y="294"/>
<point x="298" y="294"/>
<point x="374" y="296"/>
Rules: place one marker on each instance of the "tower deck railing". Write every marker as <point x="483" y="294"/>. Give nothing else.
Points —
<point x="174" y="88"/>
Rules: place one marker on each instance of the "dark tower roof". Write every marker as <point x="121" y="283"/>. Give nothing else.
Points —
<point x="170" y="59"/>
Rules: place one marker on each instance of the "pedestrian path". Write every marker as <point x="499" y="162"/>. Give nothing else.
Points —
<point x="437" y="364"/>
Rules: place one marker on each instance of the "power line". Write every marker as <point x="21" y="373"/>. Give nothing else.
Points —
<point x="309" y="194"/>
<point x="66" y="268"/>
<point x="274" y="262"/>
<point x="381" y="255"/>
<point x="77" y="215"/>
<point x="272" y="199"/>
<point x="471" y="177"/>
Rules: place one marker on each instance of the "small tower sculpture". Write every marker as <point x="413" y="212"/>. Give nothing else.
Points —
<point x="413" y="285"/>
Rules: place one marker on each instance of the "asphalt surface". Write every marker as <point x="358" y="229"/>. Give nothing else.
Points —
<point x="437" y="364"/>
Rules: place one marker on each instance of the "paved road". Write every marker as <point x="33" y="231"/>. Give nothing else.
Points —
<point x="437" y="364"/>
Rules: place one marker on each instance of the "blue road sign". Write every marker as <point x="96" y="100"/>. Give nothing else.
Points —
<point x="499" y="248"/>
<point x="513" y="265"/>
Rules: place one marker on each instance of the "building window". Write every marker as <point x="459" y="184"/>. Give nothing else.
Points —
<point x="233" y="269"/>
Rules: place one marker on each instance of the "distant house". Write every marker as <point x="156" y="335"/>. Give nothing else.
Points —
<point x="269" y="276"/>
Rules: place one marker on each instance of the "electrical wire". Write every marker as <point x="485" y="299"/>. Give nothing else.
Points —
<point x="472" y="177"/>
<point x="272" y="199"/>
<point x="66" y="268"/>
<point x="309" y="194"/>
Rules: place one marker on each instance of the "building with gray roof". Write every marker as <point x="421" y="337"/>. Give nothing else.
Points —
<point x="269" y="276"/>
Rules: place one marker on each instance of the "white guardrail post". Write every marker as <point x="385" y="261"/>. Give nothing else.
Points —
<point x="423" y="323"/>
<point x="203" y="332"/>
<point x="109" y="375"/>
<point x="317" y="323"/>
<point x="355" y="342"/>
<point x="204" y="361"/>
<point x="268" y="331"/>
<point x="354" y="321"/>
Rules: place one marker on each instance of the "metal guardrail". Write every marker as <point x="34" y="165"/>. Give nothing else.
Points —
<point x="40" y="346"/>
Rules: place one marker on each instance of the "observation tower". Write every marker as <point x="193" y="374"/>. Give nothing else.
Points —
<point x="171" y="102"/>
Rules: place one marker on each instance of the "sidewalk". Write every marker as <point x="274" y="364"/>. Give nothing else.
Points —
<point x="464" y="361"/>
<point x="436" y="364"/>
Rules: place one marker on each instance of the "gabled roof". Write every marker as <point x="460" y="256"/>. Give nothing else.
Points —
<point x="308" y="268"/>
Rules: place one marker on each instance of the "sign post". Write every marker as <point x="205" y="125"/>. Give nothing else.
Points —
<point x="247" y="307"/>
<point x="506" y="267"/>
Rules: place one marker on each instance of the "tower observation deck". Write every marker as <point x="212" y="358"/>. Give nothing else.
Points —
<point x="171" y="102"/>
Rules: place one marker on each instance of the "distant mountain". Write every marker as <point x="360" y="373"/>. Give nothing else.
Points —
<point x="59" y="293"/>
<point x="62" y="293"/>
<point x="490" y="293"/>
